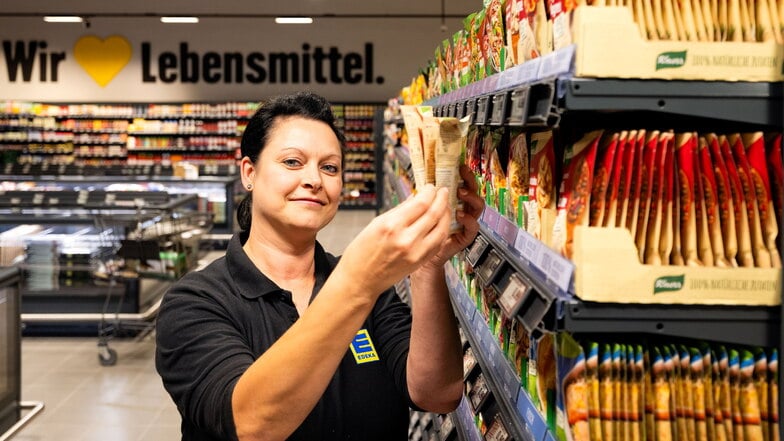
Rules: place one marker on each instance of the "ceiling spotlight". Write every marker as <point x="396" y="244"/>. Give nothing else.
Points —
<point x="179" y="19"/>
<point x="63" y="19"/>
<point x="293" y="20"/>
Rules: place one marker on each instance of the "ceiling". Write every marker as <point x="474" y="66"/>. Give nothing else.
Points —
<point x="391" y="8"/>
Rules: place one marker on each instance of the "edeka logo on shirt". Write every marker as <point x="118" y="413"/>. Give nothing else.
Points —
<point x="362" y="348"/>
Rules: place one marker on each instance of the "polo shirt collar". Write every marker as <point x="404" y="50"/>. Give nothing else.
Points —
<point x="252" y="283"/>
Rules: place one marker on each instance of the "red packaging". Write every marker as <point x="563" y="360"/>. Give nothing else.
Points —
<point x="687" y="182"/>
<point x="776" y="173"/>
<point x="758" y="248"/>
<point x="745" y="256"/>
<point x="625" y="181"/>
<point x="655" y="215"/>
<point x="636" y="183"/>
<point x="704" y="249"/>
<point x="575" y="194"/>
<point x="711" y="214"/>
<point x="725" y="199"/>
<point x="760" y="183"/>
<point x="646" y="191"/>
<point x="666" y="235"/>
<point x="676" y="256"/>
<point x="611" y="202"/>
<point x="601" y="178"/>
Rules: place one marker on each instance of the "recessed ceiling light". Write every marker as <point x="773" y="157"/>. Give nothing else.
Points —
<point x="293" y="20"/>
<point x="63" y="19"/>
<point x="179" y="19"/>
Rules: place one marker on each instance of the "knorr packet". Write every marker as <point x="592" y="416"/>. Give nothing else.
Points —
<point x="611" y="200"/>
<point x="625" y="182"/>
<point x="712" y="206"/>
<point x="651" y="254"/>
<point x="744" y="255"/>
<point x="685" y="145"/>
<point x="760" y="251"/>
<point x="760" y="183"/>
<point x="601" y="178"/>
<point x="725" y="200"/>
<point x="646" y="190"/>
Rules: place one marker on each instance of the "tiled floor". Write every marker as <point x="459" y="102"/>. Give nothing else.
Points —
<point x="85" y="401"/>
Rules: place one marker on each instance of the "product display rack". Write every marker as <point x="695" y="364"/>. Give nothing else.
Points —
<point x="544" y="95"/>
<point x="362" y="167"/>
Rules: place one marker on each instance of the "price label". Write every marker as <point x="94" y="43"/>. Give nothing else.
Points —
<point x="511" y="298"/>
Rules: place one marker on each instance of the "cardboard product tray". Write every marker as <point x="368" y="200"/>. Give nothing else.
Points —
<point x="609" y="45"/>
<point x="608" y="270"/>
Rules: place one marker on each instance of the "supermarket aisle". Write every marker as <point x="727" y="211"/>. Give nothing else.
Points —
<point x="87" y="402"/>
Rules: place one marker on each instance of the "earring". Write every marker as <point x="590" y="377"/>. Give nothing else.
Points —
<point x="250" y="186"/>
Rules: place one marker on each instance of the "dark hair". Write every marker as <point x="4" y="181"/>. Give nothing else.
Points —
<point x="256" y="135"/>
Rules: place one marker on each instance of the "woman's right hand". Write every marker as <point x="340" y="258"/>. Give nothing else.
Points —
<point x="397" y="242"/>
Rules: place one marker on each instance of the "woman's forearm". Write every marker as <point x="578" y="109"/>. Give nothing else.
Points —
<point x="434" y="367"/>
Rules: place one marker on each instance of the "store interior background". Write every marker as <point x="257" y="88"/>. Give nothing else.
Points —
<point x="84" y="400"/>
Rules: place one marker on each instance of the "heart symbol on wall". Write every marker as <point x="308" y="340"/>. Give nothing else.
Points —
<point x="102" y="59"/>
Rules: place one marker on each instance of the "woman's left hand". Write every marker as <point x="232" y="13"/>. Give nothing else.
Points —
<point x="468" y="217"/>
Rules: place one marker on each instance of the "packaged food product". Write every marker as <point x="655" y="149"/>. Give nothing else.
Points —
<point x="646" y="191"/>
<point x="637" y="396"/>
<point x="745" y="256"/>
<point x="636" y="184"/>
<point x="668" y="195"/>
<point x="651" y="254"/>
<point x="672" y="23"/>
<point x="672" y="364"/>
<point x="704" y="250"/>
<point x="678" y="393"/>
<point x="760" y="380"/>
<point x="735" y="30"/>
<point x="541" y="189"/>
<point x="592" y="378"/>
<point x="712" y="213"/>
<point x="709" y="400"/>
<point x="662" y="392"/>
<point x="687" y="182"/>
<point x="698" y="395"/>
<point x="739" y="431"/>
<point x="527" y="48"/>
<point x="413" y="120"/>
<point x="723" y="20"/>
<point x="759" y="181"/>
<point x="725" y="201"/>
<point x="611" y="202"/>
<point x="606" y="392"/>
<point x="572" y="405"/>
<point x="518" y="168"/>
<point x="605" y="159"/>
<point x="575" y="194"/>
<point x="495" y="51"/>
<point x="450" y="150"/>
<point x="474" y="150"/>
<point x="776" y="172"/>
<point x="625" y="183"/>
<point x="463" y="57"/>
<point x="447" y="52"/>
<point x="619" y="382"/>
<point x="543" y="29"/>
<point x="513" y="15"/>
<point x="546" y="375"/>
<point x="676" y="255"/>
<point x="720" y="426"/>
<point x="762" y="258"/>
<point x="649" y="394"/>
<point x="726" y="396"/>
<point x="748" y="399"/>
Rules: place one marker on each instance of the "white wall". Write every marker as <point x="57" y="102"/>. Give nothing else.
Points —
<point x="400" y="48"/>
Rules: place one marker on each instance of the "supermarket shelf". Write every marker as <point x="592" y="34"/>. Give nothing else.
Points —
<point x="519" y="414"/>
<point x="524" y="255"/>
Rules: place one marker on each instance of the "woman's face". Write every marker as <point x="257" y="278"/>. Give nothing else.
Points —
<point x="297" y="180"/>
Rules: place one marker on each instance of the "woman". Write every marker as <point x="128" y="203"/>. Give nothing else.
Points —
<point x="279" y="339"/>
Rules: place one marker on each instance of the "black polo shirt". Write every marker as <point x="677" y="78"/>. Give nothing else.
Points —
<point x="214" y="323"/>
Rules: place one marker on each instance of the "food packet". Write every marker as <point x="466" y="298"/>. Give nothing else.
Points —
<point x="611" y="202"/>
<point x="725" y="200"/>
<point x="676" y="255"/>
<point x="684" y="144"/>
<point x="689" y="22"/>
<point x="592" y="378"/>
<point x="678" y="394"/>
<point x="463" y="56"/>
<point x="760" y="380"/>
<point x="471" y="25"/>
<point x="704" y="250"/>
<point x="573" y="397"/>
<point x="646" y="191"/>
<point x="438" y="74"/>
<point x="735" y="28"/>
<point x="672" y="21"/>
<point x="649" y="395"/>
<point x="760" y="183"/>
<point x="651" y="255"/>
<point x="637" y="395"/>
<point x="541" y="189"/>
<point x="776" y="173"/>
<point x="474" y="150"/>
<point x="605" y="159"/>
<point x="723" y="20"/>
<point x="513" y="15"/>
<point x="745" y="256"/>
<point x="748" y="399"/>
<point x="709" y="400"/>
<point x="727" y="394"/>
<point x="636" y="184"/>
<point x="762" y="258"/>
<point x="518" y="168"/>
<point x="543" y="29"/>
<point x="546" y="376"/>
<point x="606" y="393"/>
<point x="619" y="386"/>
<point x="413" y="119"/>
<point x="698" y="393"/>
<point x="450" y="151"/>
<point x="667" y="196"/>
<point x="719" y="398"/>
<point x="662" y="391"/>
<point x="739" y="432"/>
<point x="625" y="183"/>
<point x="575" y="194"/>
<point x="712" y="211"/>
<point x="495" y="51"/>
<point x="447" y="53"/>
